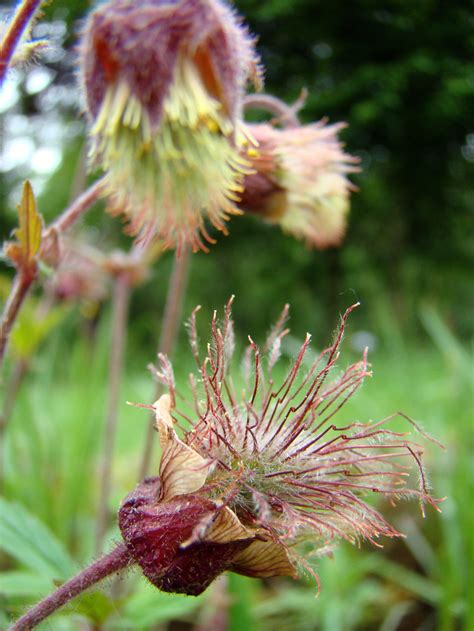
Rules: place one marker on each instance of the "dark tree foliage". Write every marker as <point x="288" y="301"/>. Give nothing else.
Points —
<point x="401" y="74"/>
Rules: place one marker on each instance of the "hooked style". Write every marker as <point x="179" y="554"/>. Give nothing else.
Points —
<point x="254" y="476"/>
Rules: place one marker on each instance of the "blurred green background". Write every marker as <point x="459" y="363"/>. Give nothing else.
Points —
<point x="401" y="74"/>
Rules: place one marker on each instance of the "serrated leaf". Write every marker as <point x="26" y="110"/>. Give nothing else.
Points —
<point x="24" y="251"/>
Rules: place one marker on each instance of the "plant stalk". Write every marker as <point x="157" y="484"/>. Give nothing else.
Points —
<point x="78" y="207"/>
<point x="288" y="114"/>
<point x="22" y="17"/>
<point x="23" y="280"/>
<point x="21" y="285"/>
<point x="108" y="564"/>
<point x="169" y="331"/>
<point x="120" y="306"/>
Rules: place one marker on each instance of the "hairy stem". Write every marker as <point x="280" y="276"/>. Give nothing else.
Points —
<point x="169" y="330"/>
<point x="17" y="26"/>
<point x="288" y="114"/>
<point x="110" y="563"/>
<point x="120" y="304"/>
<point x="24" y="279"/>
<point x="78" y="207"/>
<point x="21" y="285"/>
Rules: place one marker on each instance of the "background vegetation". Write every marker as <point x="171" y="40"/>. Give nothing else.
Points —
<point x="401" y="74"/>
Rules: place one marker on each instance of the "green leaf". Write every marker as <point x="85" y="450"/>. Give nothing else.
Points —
<point x="148" y="607"/>
<point x="243" y="594"/>
<point x="94" y="605"/>
<point x="423" y="588"/>
<point x="31" y="543"/>
<point x="20" y="583"/>
<point x="30" y="330"/>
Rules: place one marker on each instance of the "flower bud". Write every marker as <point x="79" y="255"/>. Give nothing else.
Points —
<point x="300" y="182"/>
<point x="163" y="83"/>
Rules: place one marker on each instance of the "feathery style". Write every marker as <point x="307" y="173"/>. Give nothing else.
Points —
<point x="253" y="475"/>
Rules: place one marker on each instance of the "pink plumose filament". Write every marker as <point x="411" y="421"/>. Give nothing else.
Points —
<point x="267" y="468"/>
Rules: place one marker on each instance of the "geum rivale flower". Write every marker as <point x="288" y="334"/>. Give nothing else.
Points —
<point x="163" y="84"/>
<point x="300" y="181"/>
<point x="256" y="474"/>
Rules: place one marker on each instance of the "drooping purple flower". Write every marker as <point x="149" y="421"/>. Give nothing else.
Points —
<point x="163" y="84"/>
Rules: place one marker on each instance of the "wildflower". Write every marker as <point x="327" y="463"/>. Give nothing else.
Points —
<point x="255" y="475"/>
<point x="300" y="181"/>
<point x="163" y="85"/>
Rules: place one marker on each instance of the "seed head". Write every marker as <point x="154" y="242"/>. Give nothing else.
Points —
<point x="163" y="84"/>
<point x="300" y="181"/>
<point x="255" y="475"/>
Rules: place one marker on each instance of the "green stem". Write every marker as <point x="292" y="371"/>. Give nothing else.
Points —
<point x="120" y="303"/>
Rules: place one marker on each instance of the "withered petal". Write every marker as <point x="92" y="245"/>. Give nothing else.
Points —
<point x="182" y="470"/>
<point x="227" y="527"/>
<point x="263" y="559"/>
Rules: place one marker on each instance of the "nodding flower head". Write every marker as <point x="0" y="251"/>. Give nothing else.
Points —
<point x="257" y="473"/>
<point x="300" y="183"/>
<point x="163" y="83"/>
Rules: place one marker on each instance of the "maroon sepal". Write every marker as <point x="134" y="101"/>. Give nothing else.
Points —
<point x="154" y="532"/>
